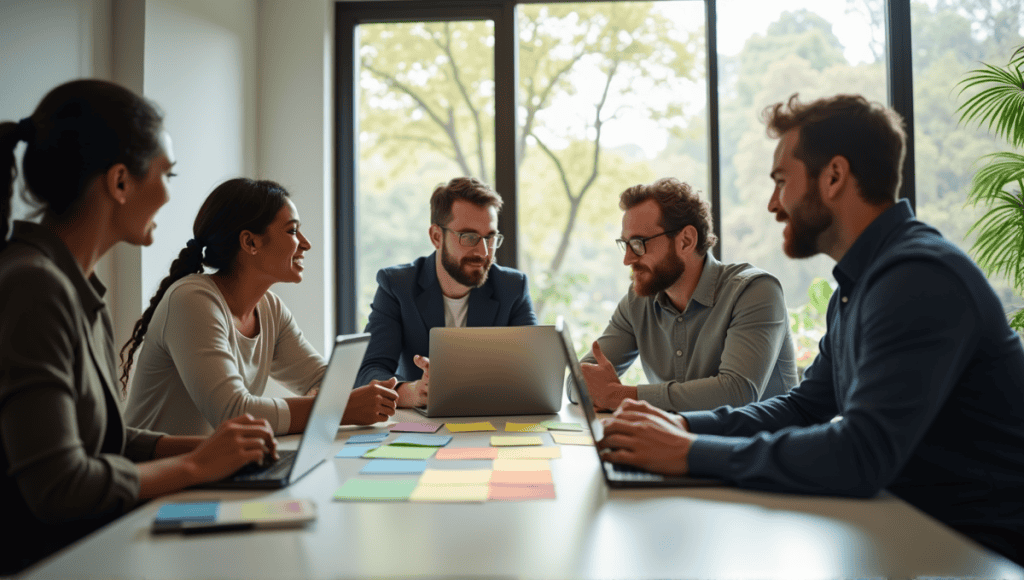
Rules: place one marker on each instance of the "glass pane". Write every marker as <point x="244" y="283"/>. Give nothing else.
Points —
<point x="767" y="52"/>
<point x="610" y="95"/>
<point x="950" y="39"/>
<point x="426" y="115"/>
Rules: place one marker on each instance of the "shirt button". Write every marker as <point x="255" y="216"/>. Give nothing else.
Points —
<point x="845" y="299"/>
<point x="679" y="353"/>
<point x="680" y="319"/>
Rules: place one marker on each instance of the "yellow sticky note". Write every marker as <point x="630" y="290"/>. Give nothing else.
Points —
<point x="450" y="493"/>
<point x="564" y="439"/>
<point x="455" y="476"/>
<point x="551" y="452"/>
<point x="465" y="427"/>
<point x="522" y="465"/>
<point x="509" y="441"/>
<point x="524" y="428"/>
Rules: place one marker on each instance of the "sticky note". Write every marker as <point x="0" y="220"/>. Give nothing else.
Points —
<point x="523" y="428"/>
<point x="566" y="439"/>
<point x="467" y="427"/>
<point x="376" y="489"/>
<point x="470" y="453"/>
<point x="392" y="452"/>
<point x="193" y="512"/>
<point x="455" y="476"/>
<point x="451" y="493"/>
<point x="355" y="450"/>
<point x="552" y="452"/>
<point x="521" y="465"/>
<point x="511" y="440"/>
<point x="558" y="426"/>
<point x="516" y="492"/>
<point x="521" y="477"/>
<point x="414" y="428"/>
<point x="394" y="466"/>
<point x="416" y="440"/>
<point x="367" y="438"/>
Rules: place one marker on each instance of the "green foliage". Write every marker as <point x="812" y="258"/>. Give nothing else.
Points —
<point x="998" y="105"/>
<point x="808" y="322"/>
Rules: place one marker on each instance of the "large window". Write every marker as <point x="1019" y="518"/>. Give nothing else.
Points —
<point x="563" y="105"/>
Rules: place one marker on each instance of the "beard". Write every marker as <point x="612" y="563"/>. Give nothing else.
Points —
<point x="659" y="278"/>
<point x="463" y="271"/>
<point x="806" y="224"/>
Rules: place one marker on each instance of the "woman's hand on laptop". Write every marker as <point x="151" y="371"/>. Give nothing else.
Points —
<point x="236" y="442"/>
<point x="414" y="393"/>
<point x="371" y="403"/>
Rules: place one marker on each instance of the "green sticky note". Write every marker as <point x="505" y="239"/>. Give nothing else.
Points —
<point x="376" y="489"/>
<point x="399" y="452"/>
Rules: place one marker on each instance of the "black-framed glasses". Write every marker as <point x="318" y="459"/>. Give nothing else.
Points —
<point x="639" y="245"/>
<point x="471" y="239"/>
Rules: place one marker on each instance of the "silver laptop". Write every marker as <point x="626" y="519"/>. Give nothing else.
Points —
<point x="507" y="370"/>
<point x="324" y="418"/>
<point x="622" y="476"/>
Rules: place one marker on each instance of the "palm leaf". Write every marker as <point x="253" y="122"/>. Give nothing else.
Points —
<point x="999" y="103"/>
<point x="1017" y="321"/>
<point x="999" y="247"/>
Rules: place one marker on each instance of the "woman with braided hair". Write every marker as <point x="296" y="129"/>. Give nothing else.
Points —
<point x="97" y="162"/>
<point x="212" y="341"/>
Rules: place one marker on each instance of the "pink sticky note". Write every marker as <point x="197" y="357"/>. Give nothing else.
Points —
<point x="521" y="477"/>
<point x="514" y="492"/>
<point x="415" y="428"/>
<point x="467" y="453"/>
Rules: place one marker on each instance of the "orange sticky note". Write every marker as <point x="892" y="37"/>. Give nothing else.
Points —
<point x="521" y="477"/>
<point x="551" y="452"/>
<point x="522" y="465"/>
<point x="469" y="453"/>
<point x="516" y="492"/>
<point x="455" y="476"/>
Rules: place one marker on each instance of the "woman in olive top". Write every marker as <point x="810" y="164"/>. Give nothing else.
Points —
<point x="97" y="162"/>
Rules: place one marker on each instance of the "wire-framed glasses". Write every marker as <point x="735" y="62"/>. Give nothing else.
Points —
<point x="471" y="239"/>
<point x="638" y="244"/>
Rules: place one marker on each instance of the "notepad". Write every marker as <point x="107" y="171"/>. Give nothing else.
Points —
<point x="513" y="440"/>
<point x="567" y="439"/>
<point x="524" y="427"/>
<point x="501" y="492"/>
<point x="232" y="515"/>
<point x="477" y="492"/>
<point x="467" y="427"/>
<point x="376" y="489"/>
<point x="521" y="477"/>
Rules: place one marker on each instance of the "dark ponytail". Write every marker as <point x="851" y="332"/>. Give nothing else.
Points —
<point x="231" y="208"/>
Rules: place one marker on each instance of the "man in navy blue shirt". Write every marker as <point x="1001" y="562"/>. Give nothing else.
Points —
<point x="919" y="363"/>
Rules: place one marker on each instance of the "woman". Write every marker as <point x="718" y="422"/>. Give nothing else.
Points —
<point x="97" y="162"/>
<point x="213" y="340"/>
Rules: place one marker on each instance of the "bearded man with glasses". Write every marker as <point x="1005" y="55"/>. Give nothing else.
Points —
<point x="708" y="334"/>
<point x="458" y="285"/>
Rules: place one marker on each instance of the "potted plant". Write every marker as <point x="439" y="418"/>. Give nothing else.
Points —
<point x="998" y="105"/>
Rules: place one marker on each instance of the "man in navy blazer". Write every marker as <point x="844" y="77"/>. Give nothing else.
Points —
<point x="457" y="285"/>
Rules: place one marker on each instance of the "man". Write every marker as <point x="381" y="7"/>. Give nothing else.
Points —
<point x="708" y="334"/>
<point x="919" y="367"/>
<point x="458" y="285"/>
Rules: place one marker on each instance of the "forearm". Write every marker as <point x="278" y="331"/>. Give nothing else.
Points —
<point x="299" y="409"/>
<point x="172" y="445"/>
<point x="167" y="475"/>
<point x="700" y="394"/>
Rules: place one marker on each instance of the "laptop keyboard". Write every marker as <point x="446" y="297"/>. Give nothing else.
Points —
<point x="276" y="470"/>
<point x="630" y="473"/>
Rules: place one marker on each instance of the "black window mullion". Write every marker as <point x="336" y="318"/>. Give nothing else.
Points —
<point x="900" y="82"/>
<point x="714" y="152"/>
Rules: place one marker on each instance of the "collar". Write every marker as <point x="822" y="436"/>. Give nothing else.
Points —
<point x="704" y="293"/>
<point x="871" y="242"/>
<point x="90" y="290"/>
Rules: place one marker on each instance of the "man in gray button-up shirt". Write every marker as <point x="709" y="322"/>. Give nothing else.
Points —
<point x="708" y="334"/>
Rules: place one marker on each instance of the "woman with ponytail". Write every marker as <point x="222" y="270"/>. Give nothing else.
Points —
<point x="97" y="163"/>
<point x="212" y="341"/>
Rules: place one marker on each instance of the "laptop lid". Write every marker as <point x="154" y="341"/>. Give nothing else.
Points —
<point x="614" y="475"/>
<point x="506" y="370"/>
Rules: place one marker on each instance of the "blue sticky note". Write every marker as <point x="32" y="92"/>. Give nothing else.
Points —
<point x="355" y="450"/>
<point x="367" y="438"/>
<point x="191" y="512"/>
<point x="423" y="440"/>
<point x="394" y="466"/>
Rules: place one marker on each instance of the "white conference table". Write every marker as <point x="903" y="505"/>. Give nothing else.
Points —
<point x="589" y="531"/>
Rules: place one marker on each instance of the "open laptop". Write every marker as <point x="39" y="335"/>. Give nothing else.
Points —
<point x="621" y="476"/>
<point x="321" y="429"/>
<point x="507" y="370"/>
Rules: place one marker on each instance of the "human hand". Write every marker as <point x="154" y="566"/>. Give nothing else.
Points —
<point x="371" y="403"/>
<point x="236" y="442"/>
<point x="646" y="441"/>
<point x="606" y="390"/>
<point x="414" y="393"/>
<point x="643" y="407"/>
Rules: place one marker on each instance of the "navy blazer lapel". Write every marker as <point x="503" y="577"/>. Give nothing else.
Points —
<point x="430" y="300"/>
<point x="483" y="307"/>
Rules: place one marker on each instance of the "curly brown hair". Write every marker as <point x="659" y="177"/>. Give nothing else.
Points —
<point x="680" y="207"/>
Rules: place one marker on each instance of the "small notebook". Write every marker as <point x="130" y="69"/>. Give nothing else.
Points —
<point x="210" y="516"/>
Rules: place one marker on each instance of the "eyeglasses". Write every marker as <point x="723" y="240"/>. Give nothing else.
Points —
<point x="470" y="239"/>
<point x="639" y="245"/>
